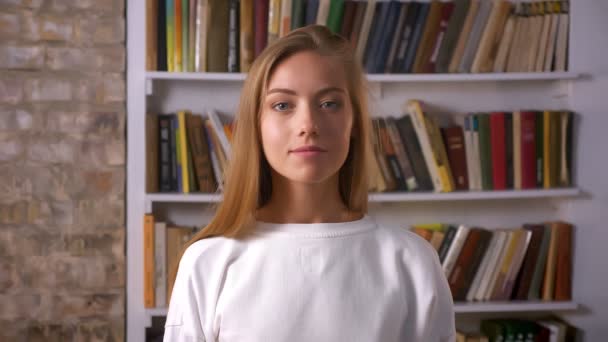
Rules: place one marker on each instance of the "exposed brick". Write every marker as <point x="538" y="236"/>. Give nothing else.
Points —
<point x="62" y="170"/>
<point x="95" y="30"/>
<point x="11" y="89"/>
<point x="8" y="274"/>
<point x="102" y="89"/>
<point x="20" y="212"/>
<point x="30" y="26"/>
<point x="69" y="58"/>
<point x="86" y="123"/>
<point x="111" y="59"/>
<point x="106" y="243"/>
<point x="98" y="273"/>
<point x="99" y="6"/>
<point x="46" y="89"/>
<point x="113" y="88"/>
<point x="15" y="185"/>
<point x="52" y="150"/>
<point x="102" y="212"/>
<point x="110" y="31"/>
<point x="73" y="306"/>
<point x="109" y="153"/>
<point x="19" y="306"/>
<point x="11" y="147"/>
<point x="23" y="3"/>
<point x="51" y="331"/>
<point x="102" y="331"/>
<point x="9" y="26"/>
<point x="15" y="119"/>
<point x="29" y="241"/>
<point x="56" y="28"/>
<point x="21" y="57"/>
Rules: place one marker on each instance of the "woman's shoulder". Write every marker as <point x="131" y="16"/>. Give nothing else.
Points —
<point x="407" y="242"/>
<point x="212" y="250"/>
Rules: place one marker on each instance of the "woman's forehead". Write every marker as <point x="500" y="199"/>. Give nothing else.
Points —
<point x="308" y="70"/>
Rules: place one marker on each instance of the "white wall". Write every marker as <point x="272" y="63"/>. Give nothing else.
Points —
<point x="589" y="44"/>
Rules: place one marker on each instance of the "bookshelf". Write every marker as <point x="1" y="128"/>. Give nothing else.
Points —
<point x="164" y="92"/>
<point x="392" y="197"/>
<point x="474" y="308"/>
<point x="513" y="76"/>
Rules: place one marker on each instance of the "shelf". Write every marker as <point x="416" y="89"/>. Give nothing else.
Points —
<point x="514" y="76"/>
<point x="390" y="197"/>
<point x="514" y="306"/>
<point x="473" y="307"/>
<point x="472" y="195"/>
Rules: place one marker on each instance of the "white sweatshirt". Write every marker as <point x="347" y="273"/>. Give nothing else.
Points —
<point x="334" y="282"/>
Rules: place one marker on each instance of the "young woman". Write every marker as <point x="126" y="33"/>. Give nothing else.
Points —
<point x="291" y="254"/>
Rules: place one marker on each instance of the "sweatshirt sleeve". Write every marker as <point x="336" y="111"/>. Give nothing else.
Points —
<point x="442" y="319"/>
<point x="431" y="307"/>
<point x="191" y="309"/>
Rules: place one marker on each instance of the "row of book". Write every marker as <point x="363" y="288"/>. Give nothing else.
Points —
<point x="186" y="152"/>
<point x="163" y="245"/>
<point x="458" y="36"/>
<point x="546" y="329"/>
<point x="532" y="263"/>
<point x="478" y="151"/>
<point x="528" y="149"/>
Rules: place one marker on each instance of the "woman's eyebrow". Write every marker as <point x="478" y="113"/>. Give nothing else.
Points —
<point x="291" y="92"/>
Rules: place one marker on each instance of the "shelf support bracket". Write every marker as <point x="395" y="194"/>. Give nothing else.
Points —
<point x="149" y="87"/>
<point x="147" y="206"/>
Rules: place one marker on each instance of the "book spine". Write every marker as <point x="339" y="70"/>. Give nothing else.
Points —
<point x="170" y="10"/>
<point x="160" y="261"/>
<point x="164" y="153"/>
<point x="178" y="35"/>
<point x="149" y="293"/>
<point x="528" y="150"/>
<point x="498" y="150"/>
<point x="261" y="25"/>
<point x="233" y="36"/>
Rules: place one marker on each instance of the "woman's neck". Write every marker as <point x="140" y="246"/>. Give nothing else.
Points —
<point x="293" y="202"/>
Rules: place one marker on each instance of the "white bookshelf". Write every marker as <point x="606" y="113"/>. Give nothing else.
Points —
<point x="465" y="308"/>
<point x="473" y="307"/>
<point x="460" y="308"/>
<point x="402" y="78"/>
<point x="458" y="92"/>
<point x="391" y="197"/>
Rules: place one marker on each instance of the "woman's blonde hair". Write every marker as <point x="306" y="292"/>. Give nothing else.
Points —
<point x="247" y="185"/>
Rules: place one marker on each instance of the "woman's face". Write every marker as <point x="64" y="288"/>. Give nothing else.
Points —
<point x="306" y="118"/>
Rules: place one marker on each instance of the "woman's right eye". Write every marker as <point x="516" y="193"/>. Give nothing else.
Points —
<point x="281" y="106"/>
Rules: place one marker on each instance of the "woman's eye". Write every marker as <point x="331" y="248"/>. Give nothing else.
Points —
<point x="281" y="106"/>
<point x="329" y="105"/>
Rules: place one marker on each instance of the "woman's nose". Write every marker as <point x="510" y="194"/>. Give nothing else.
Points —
<point x="308" y="118"/>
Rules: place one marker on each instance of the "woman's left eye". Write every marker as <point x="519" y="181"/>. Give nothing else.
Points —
<point x="329" y="105"/>
<point x="281" y="106"/>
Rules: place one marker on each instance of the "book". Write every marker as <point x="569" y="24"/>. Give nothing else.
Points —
<point x="152" y="155"/>
<point x="261" y="8"/>
<point x="149" y="267"/>
<point x="233" y="36"/>
<point x="286" y="17"/>
<point x="217" y="49"/>
<point x="452" y="32"/>
<point x="456" y="151"/>
<point x="160" y="262"/>
<point x="401" y="155"/>
<point x="246" y="36"/>
<point x="152" y="31"/>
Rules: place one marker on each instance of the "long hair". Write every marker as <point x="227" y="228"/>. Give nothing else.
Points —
<point x="247" y="182"/>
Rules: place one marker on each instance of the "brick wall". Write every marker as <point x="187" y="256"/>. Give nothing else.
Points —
<point x="62" y="170"/>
